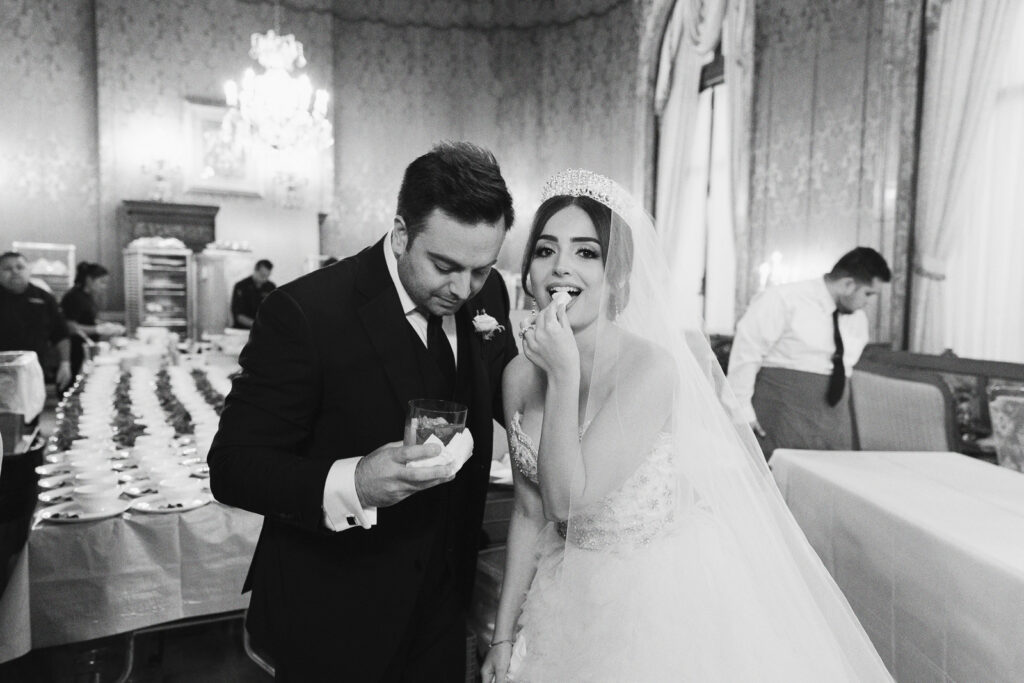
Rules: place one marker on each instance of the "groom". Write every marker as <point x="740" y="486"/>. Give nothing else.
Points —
<point x="365" y="565"/>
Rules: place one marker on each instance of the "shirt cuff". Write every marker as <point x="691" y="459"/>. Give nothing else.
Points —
<point x="341" y="503"/>
<point x="747" y="411"/>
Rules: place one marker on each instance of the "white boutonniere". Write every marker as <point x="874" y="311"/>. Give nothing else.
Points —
<point x="486" y="325"/>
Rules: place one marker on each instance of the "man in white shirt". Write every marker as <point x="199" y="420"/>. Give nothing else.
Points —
<point x="796" y="346"/>
<point x="366" y="559"/>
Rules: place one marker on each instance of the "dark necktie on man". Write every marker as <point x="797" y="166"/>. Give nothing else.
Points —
<point x="441" y="351"/>
<point x="837" y="382"/>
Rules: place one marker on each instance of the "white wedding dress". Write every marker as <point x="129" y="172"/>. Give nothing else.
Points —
<point x="660" y="593"/>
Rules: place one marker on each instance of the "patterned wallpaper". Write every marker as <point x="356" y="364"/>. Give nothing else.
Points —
<point x="830" y="140"/>
<point x="48" y="175"/>
<point x="151" y="56"/>
<point x="487" y="15"/>
<point x="542" y="86"/>
<point x="100" y="88"/>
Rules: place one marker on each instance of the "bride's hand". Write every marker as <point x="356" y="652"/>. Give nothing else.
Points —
<point x="550" y="343"/>
<point x="495" y="666"/>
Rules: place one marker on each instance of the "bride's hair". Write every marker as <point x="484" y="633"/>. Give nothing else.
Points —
<point x="617" y="272"/>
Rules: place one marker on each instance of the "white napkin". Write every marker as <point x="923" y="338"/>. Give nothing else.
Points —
<point x="457" y="451"/>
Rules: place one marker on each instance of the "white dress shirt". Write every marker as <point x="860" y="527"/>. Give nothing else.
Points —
<point x="790" y="326"/>
<point x="341" y="503"/>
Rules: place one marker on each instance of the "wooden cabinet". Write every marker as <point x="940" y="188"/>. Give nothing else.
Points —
<point x="159" y="284"/>
<point x="193" y="224"/>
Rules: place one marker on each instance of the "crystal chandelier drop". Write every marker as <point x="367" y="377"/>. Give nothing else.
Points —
<point x="276" y="107"/>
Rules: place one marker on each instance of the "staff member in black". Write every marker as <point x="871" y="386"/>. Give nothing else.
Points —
<point x="29" y="317"/>
<point x="81" y="309"/>
<point x="249" y="293"/>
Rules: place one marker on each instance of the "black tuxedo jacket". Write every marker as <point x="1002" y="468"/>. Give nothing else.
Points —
<point x="329" y="368"/>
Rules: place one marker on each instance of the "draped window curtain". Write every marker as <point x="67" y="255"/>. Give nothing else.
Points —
<point x="684" y="117"/>
<point x="960" y="83"/>
<point x="984" y="281"/>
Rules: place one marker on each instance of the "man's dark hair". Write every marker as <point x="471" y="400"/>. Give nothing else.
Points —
<point x="11" y="254"/>
<point x="264" y="263"/>
<point x="863" y="264"/>
<point x="459" y="178"/>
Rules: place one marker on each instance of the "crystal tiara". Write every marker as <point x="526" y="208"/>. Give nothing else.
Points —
<point x="577" y="182"/>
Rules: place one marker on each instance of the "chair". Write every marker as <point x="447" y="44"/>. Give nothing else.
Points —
<point x="898" y="409"/>
<point x="256" y="653"/>
<point x="1006" y="408"/>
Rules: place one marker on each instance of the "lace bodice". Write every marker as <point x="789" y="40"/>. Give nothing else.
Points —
<point x="633" y="514"/>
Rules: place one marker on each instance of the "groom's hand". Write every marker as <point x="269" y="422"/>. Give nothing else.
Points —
<point x="383" y="478"/>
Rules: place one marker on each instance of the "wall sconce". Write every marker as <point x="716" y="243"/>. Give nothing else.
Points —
<point x="161" y="174"/>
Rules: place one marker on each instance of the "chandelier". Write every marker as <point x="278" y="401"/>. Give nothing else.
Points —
<point x="276" y="107"/>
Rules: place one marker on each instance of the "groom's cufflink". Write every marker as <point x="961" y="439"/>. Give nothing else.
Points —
<point x="351" y="520"/>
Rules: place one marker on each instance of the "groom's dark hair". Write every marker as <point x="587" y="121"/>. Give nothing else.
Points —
<point x="459" y="178"/>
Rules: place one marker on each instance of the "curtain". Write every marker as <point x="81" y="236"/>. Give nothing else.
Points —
<point x="958" y="90"/>
<point x="720" y="250"/>
<point x="692" y="33"/>
<point x="738" y="51"/>
<point x="984" y="279"/>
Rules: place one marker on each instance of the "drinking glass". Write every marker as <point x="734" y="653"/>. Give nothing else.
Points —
<point x="426" y="416"/>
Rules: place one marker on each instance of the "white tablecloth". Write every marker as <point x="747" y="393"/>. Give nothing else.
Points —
<point x="76" y="582"/>
<point x="929" y="550"/>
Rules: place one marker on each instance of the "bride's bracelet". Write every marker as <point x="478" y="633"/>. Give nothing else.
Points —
<point x="495" y="643"/>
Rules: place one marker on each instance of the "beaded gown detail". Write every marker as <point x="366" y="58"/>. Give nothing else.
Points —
<point x="662" y="593"/>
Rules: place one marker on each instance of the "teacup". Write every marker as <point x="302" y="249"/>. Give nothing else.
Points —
<point x="167" y="470"/>
<point x="179" y="490"/>
<point x="93" y="498"/>
<point x="99" y="477"/>
<point x="143" y="454"/>
<point x="203" y="443"/>
<point x="153" y="440"/>
<point x="90" y="463"/>
<point x="91" y="444"/>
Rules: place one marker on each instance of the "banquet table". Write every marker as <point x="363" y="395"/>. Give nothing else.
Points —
<point x="76" y="582"/>
<point x="929" y="550"/>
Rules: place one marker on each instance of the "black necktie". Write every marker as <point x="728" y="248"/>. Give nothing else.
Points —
<point x="441" y="350"/>
<point x="837" y="382"/>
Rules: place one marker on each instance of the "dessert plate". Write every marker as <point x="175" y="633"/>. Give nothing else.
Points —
<point x="51" y="469"/>
<point x="61" y="494"/>
<point x="71" y="512"/>
<point x="141" y="487"/>
<point x="54" y="481"/>
<point x="156" y="503"/>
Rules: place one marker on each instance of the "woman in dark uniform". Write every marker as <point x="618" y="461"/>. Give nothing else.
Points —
<point x="81" y="308"/>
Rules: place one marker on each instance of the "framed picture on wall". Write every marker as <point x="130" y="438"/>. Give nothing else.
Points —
<point x="216" y="161"/>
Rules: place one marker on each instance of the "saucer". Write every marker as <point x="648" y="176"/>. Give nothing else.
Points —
<point x="71" y="512"/>
<point x="61" y="494"/>
<point x="54" y="481"/>
<point x="52" y="469"/>
<point x="132" y="475"/>
<point x="140" y="487"/>
<point x="156" y="503"/>
<point x="201" y="470"/>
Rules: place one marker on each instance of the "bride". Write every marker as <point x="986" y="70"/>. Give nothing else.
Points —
<point x="648" y="540"/>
